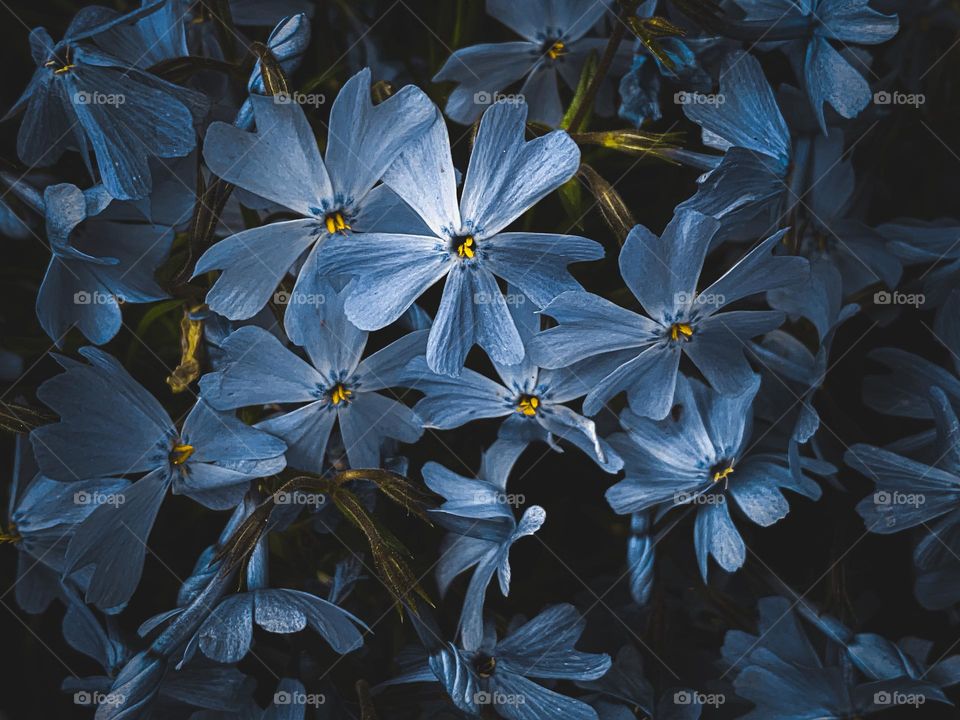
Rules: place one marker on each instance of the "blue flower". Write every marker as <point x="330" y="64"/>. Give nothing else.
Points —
<point x="702" y="456"/>
<point x="642" y="355"/>
<point x="141" y="679"/>
<point x="281" y="162"/>
<point x="42" y="516"/>
<point x="553" y="43"/>
<point x="792" y="375"/>
<point x="336" y="385"/>
<point x="531" y="399"/>
<point x="910" y="492"/>
<point x="199" y="685"/>
<point x="935" y="245"/>
<point x="779" y="671"/>
<point x="624" y="690"/>
<point x="287" y="43"/>
<point x="640" y="85"/>
<point x="498" y="673"/>
<point x="99" y="261"/>
<point x="748" y="188"/>
<point x="290" y="702"/>
<point x="478" y="514"/>
<point x="90" y="92"/>
<point x="811" y="28"/>
<point x="845" y="255"/>
<point x="923" y="488"/>
<point x="916" y="49"/>
<point x="226" y="634"/>
<point x="506" y="177"/>
<point x="111" y="426"/>
<point x="905" y="393"/>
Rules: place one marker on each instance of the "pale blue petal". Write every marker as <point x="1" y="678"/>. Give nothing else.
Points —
<point x="481" y="71"/>
<point x="114" y="539"/>
<point x="253" y="263"/>
<point x="715" y="534"/>
<point x="257" y="370"/>
<point x="589" y="325"/>
<point x="306" y="432"/>
<point x="472" y="311"/>
<point x="649" y="380"/>
<point x="389" y="273"/>
<point x="363" y="139"/>
<point x="508" y="175"/>
<point x="367" y="420"/>
<point x="537" y="262"/>
<point x="315" y="320"/>
<point x="250" y="160"/>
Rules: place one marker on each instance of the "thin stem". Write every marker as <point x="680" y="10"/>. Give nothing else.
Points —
<point x="609" y="53"/>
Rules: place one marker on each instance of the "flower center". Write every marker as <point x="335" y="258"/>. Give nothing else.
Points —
<point x="681" y="330"/>
<point x="528" y="404"/>
<point x="485" y="665"/>
<point x="335" y="222"/>
<point x="466" y="246"/>
<point x="556" y="49"/>
<point x="11" y="536"/>
<point x="722" y="473"/>
<point x="60" y="66"/>
<point x="340" y="394"/>
<point x="180" y="453"/>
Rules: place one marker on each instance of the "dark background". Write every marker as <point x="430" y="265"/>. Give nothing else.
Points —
<point x="908" y="166"/>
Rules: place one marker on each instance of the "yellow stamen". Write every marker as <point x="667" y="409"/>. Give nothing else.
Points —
<point x="466" y="247"/>
<point x="556" y="50"/>
<point x="340" y="394"/>
<point x="680" y="329"/>
<point x="336" y="223"/>
<point x="10" y="537"/>
<point x="722" y="474"/>
<point x="64" y="65"/>
<point x="180" y="453"/>
<point x="528" y="405"/>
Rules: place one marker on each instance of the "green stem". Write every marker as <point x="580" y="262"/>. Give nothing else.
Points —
<point x="609" y="53"/>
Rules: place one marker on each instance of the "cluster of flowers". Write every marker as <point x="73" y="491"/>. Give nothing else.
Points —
<point x="695" y="391"/>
